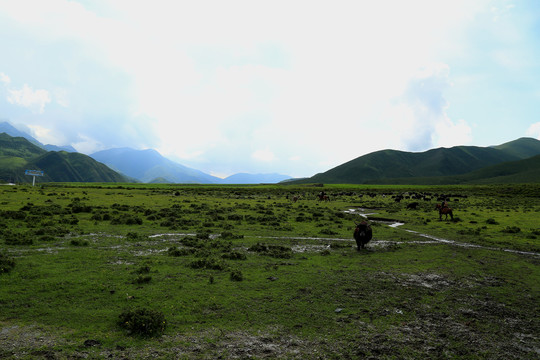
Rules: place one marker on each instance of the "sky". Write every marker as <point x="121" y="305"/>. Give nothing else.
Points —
<point x="290" y="87"/>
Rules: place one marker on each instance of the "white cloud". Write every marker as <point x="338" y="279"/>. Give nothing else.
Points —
<point x="29" y="98"/>
<point x="421" y="118"/>
<point x="44" y="135"/>
<point x="534" y="130"/>
<point x="229" y="82"/>
<point x="263" y="155"/>
<point x="4" y="78"/>
<point x="87" y="145"/>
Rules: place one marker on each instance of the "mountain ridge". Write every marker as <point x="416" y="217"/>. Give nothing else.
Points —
<point x="17" y="154"/>
<point x="395" y="166"/>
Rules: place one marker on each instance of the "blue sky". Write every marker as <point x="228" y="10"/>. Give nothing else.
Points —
<point x="294" y="87"/>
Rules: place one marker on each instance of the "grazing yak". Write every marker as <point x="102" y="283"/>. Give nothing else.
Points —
<point x="362" y="234"/>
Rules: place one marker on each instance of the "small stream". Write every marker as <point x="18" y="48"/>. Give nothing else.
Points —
<point x="395" y="224"/>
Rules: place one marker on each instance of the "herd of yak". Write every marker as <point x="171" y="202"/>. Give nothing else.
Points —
<point x="363" y="232"/>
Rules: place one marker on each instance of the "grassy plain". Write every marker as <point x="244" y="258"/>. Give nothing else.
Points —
<point x="245" y="272"/>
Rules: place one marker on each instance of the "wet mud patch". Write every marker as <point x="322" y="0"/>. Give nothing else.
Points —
<point x="29" y="342"/>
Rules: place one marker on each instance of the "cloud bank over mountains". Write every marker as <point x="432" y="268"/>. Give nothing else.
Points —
<point x="293" y="87"/>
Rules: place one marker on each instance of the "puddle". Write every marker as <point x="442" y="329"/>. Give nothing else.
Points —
<point x="395" y="224"/>
<point x="309" y="248"/>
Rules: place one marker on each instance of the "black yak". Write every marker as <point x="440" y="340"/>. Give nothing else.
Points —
<point x="362" y="234"/>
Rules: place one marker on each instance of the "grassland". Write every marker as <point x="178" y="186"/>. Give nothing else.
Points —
<point x="246" y="272"/>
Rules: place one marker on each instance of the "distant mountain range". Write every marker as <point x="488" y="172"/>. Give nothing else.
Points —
<point x="513" y="162"/>
<point x="149" y="165"/>
<point x="132" y="165"/>
<point x="516" y="161"/>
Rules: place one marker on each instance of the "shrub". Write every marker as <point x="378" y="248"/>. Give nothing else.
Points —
<point x="76" y="242"/>
<point x="141" y="279"/>
<point x="230" y="235"/>
<point x="133" y="236"/>
<point x="236" y="275"/>
<point x="11" y="238"/>
<point x="328" y="232"/>
<point x="208" y="263"/>
<point x="12" y="214"/>
<point x="143" y="270"/>
<point x="258" y="248"/>
<point x="276" y="251"/>
<point x="6" y="264"/>
<point x="174" y="251"/>
<point x="234" y="255"/>
<point x="126" y="219"/>
<point x="47" y="238"/>
<point x="511" y="230"/>
<point x="143" y="322"/>
<point x="492" y="221"/>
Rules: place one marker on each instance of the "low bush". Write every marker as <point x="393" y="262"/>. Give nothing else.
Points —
<point x="133" y="236"/>
<point x="230" y="235"/>
<point x="236" y="275"/>
<point x="208" y="263"/>
<point x="6" y="264"/>
<point x="126" y="219"/>
<point x="174" y="251"/>
<point x="143" y="322"/>
<point x="234" y="255"/>
<point x="13" y="238"/>
<point x="76" y="242"/>
<point x="276" y="251"/>
<point x="511" y="230"/>
<point x="142" y="279"/>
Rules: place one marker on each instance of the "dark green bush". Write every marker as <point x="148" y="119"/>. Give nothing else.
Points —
<point x="11" y="214"/>
<point x="143" y="270"/>
<point x="236" y="275"/>
<point x="511" y="230"/>
<point x="47" y="238"/>
<point x="174" y="251"/>
<point x="126" y="219"/>
<point x="328" y="232"/>
<point x="277" y="251"/>
<point x="6" y="264"/>
<point x="143" y="322"/>
<point x="208" y="263"/>
<point x="142" y="279"/>
<point x="76" y="242"/>
<point x="258" y="248"/>
<point x="133" y="236"/>
<point x="492" y="221"/>
<point x="230" y="235"/>
<point x="234" y="255"/>
<point x="12" y="238"/>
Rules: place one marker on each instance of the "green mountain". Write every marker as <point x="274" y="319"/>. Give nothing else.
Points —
<point x="18" y="147"/>
<point x="522" y="171"/>
<point x="436" y="166"/>
<point x="17" y="155"/>
<point x="6" y="127"/>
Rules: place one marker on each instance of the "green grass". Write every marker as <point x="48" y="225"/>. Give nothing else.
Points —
<point x="306" y="296"/>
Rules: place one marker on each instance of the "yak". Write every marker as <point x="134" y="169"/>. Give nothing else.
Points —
<point x="362" y="234"/>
